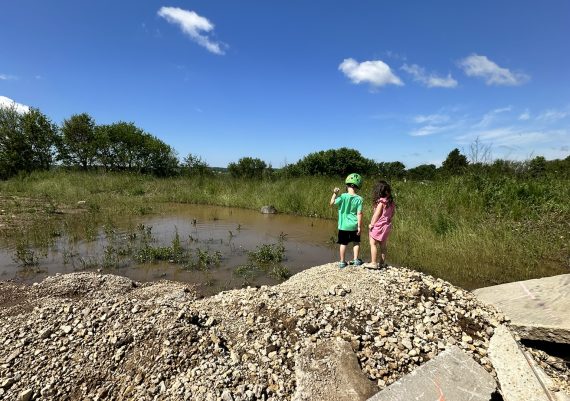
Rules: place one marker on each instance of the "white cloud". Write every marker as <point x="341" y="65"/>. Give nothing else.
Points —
<point x="194" y="26"/>
<point x="482" y="67"/>
<point x="429" y="80"/>
<point x="6" y="102"/>
<point x="516" y="137"/>
<point x="431" y="129"/>
<point x="491" y="116"/>
<point x="429" y="124"/>
<point x="524" y="116"/>
<point x="553" y="115"/>
<point x="431" y="118"/>
<point x="375" y="72"/>
<point x="6" y="77"/>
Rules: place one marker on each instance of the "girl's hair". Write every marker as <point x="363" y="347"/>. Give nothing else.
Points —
<point x="382" y="190"/>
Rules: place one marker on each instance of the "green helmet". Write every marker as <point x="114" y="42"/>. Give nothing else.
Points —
<point x="354" y="179"/>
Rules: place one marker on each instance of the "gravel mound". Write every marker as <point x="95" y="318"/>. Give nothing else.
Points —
<point x="101" y="337"/>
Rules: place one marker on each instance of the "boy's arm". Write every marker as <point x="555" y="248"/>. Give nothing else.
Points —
<point x="334" y="195"/>
<point x="359" y="218"/>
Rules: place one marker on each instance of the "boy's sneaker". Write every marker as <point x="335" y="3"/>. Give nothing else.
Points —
<point x="356" y="262"/>
<point x="342" y="264"/>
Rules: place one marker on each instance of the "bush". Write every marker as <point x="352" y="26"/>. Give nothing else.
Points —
<point x="333" y="163"/>
<point x="195" y="165"/>
<point x="422" y="172"/>
<point x="455" y="163"/>
<point x="248" y="167"/>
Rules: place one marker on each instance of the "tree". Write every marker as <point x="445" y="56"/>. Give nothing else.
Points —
<point x="422" y="172"/>
<point x="537" y="166"/>
<point x="27" y="141"/>
<point x="247" y="167"/>
<point x="119" y="145"/>
<point x="157" y="157"/>
<point x="12" y="145"/>
<point x="79" y="142"/>
<point x="41" y="137"/>
<point x="455" y="163"/>
<point x="335" y="162"/>
<point x="194" y="165"/>
<point x="392" y="170"/>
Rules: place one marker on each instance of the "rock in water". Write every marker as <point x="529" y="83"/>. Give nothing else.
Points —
<point x="269" y="209"/>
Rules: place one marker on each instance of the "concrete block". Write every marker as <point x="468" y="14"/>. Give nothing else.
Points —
<point x="538" y="308"/>
<point x="451" y="376"/>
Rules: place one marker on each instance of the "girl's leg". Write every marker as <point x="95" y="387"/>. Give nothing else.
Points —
<point x="342" y="252"/>
<point x="373" y="250"/>
<point x="383" y="251"/>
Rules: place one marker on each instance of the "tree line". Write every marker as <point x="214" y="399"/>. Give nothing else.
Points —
<point x="31" y="141"/>
<point x="343" y="161"/>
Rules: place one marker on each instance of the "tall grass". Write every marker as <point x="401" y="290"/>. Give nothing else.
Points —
<point x="472" y="230"/>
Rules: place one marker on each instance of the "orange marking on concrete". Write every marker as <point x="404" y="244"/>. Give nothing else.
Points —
<point x="526" y="290"/>
<point x="441" y="397"/>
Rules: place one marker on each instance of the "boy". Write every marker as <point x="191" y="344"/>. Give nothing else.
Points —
<point x="349" y="206"/>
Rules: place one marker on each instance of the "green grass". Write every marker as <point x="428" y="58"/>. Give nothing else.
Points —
<point x="471" y="230"/>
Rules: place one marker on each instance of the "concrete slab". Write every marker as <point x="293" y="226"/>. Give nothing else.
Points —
<point x="329" y="371"/>
<point x="538" y="308"/>
<point x="518" y="380"/>
<point x="451" y="376"/>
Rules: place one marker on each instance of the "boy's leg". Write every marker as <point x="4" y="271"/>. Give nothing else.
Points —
<point x="355" y="250"/>
<point x="342" y="252"/>
<point x="373" y="251"/>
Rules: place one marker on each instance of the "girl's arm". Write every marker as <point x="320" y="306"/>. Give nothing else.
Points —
<point x="376" y="215"/>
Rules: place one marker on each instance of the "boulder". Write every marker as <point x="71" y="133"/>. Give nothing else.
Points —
<point x="329" y="371"/>
<point x="269" y="209"/>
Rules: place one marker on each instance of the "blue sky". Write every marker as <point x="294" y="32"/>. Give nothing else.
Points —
<point x="406" y="80"/>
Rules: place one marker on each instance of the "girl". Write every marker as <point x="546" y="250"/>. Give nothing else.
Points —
<point x="381" y="222"/>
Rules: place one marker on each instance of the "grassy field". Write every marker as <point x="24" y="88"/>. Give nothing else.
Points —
<point x="470" y="230"/>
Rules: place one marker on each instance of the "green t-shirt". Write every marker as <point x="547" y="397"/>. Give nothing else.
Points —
<point x="348" y="207"/>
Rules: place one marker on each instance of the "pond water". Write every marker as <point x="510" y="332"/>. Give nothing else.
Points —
<point x="215" y="248"/>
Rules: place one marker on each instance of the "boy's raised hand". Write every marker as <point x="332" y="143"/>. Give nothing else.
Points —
<point x="336" y="190"/>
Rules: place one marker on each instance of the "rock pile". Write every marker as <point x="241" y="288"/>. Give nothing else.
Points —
<point x="101" y="337"/>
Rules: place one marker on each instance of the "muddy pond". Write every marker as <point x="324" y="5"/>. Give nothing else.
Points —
<point x="216" y="248"/>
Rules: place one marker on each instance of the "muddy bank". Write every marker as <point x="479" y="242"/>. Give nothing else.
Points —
<point x="104" y="337"/>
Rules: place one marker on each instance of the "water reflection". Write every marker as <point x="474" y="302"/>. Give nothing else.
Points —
<point x="202" y="230"/>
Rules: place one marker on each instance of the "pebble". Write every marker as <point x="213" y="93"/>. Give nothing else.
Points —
<point x="25" y="395"/>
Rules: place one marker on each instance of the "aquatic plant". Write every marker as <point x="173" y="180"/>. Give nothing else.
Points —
<point x="207" y="258"/>
<point x="268" y="253"/>
<point x="25" y="256"/>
